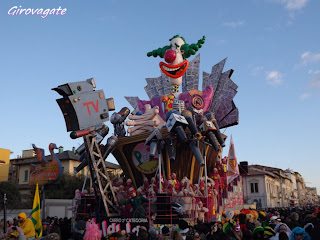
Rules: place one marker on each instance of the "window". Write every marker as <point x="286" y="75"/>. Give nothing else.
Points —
<point x="26" y="175"/>
<point x="254" y="187"/>
<point x="62" y="169"/>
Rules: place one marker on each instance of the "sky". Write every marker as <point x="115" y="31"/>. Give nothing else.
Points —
<point x="272" y="45"/>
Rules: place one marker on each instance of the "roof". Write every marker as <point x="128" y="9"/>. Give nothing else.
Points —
<point x="65" y="155"/>
<point x="273" y="170"/>
<point x="112" y="165"/>
<point x="254" y="172"/>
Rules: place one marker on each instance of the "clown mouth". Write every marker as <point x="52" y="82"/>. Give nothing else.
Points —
<point x="174" y="71"/>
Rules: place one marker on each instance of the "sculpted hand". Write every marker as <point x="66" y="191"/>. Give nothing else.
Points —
<point x="145" y="122"/>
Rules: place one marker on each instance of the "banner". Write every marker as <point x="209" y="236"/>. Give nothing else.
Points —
<point x="232" y="164"/>
<point x="35" y="214"/>
<point x="120" y="224"/>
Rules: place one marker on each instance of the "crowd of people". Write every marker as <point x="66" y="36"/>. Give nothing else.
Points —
<point x="273" y="224"/>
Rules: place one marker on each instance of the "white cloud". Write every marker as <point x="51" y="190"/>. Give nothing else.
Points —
<point x="293" y="5"/>
<point x="255" y="71"/>
<point x="313" y="72"/>
<point x="304" y="96"/>
<point x="234" y="24"/>
<point x="309" y="57"/>
<point x="315" y="82"/>
<point x="274" y="78"/>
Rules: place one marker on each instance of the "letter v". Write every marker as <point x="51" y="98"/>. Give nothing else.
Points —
<point x="33" y="11"/>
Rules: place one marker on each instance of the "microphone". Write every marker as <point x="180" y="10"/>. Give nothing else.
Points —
<point x="83" y="164"/>
<point x="178" y="105"/>
<point x="217" y="133"/>
<point x="207" y="129"/>
<point x="191" y="125"/>
<point x="117" y="119"/>
<point x="176" y="123"/>
<point x="196" y="152"/>
<point x="152" y="141"/>
<point x="100" y="134"/>
<point x="171" y="150"/>
<point x="111" y="144"/>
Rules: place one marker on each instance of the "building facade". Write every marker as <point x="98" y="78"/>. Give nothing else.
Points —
<point x="19" y="168"/>
<point x="269" y="187"/>
<point x="4" y="163"/>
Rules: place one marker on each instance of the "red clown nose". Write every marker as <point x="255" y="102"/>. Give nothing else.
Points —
<point x="170" y="56"/>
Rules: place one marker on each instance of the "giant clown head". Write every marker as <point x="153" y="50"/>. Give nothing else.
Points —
<point x="175" y="56"/>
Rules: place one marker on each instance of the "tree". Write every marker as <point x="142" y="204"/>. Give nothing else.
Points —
<point x="65" y="187"/>
<point x="12" y="192"/>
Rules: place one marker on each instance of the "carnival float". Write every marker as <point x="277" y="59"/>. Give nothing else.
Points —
<point x="169" y="146"/>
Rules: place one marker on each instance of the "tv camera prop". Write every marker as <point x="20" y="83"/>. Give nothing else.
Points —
<point x="85" y="110"/>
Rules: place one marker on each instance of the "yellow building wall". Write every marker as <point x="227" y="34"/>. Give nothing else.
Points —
<point x="4" y="167"/>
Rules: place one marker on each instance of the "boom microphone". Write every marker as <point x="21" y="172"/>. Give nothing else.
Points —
<point x="207" y="129"/>
<point x="100" y="134"/>
<point x="152" y="141"/>
<point x="108" y="148"/>
<point x="83" y="164"/>
<point x="177" y="123"/>
<point x="217" y="133"/>
<point x="117" y="119"/>
<point x="196" y="152"/>
<point x="170" y="149"/>
<point x="191" y="125"/>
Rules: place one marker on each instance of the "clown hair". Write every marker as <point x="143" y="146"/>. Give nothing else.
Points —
<point x="187" y="49"/>
<point x="192" y="48"/>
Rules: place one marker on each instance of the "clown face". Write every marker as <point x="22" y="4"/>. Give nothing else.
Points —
<point x="175" y="66"/>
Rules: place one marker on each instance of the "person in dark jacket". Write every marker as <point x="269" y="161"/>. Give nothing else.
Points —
<point x="79" y="231"/>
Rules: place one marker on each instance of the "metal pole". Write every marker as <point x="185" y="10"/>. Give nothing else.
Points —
<point x="160" y="159"/>
<point x="43" y="202"/>
<point x="5" y="211"/>
<point x="85" y="181"/>
<point x="205" y="170"/>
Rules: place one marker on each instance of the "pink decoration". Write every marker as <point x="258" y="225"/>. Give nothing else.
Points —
<point x="92" y="232"/>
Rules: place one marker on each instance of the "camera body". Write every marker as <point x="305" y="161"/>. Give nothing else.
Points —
<point x="82" y="106"/>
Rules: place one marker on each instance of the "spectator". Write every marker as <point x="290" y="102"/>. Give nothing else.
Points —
<point x="299" y="233"/>
<point x="79" y="231"/>
<point x="281" y="227"/>
<point x="294" y="221"/>
<point x="27" y="226"/>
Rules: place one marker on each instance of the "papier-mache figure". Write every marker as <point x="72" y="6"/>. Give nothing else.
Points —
<point x="153" y="185"/>
<point x="175" y="56"/>
<point x="137" y="204"/>
<point x="146" y="122"/>
<point x="216" y="178"/>
<point x="223" y="173"/>
<point x="146" y="185"/>
<point x="201" y="211"/>
<point x="76" y="199"/>
<point x="185" y="200"/>
<point x="175" y="182"/>
<point x="202" y="185"/>
<point x="169" y="187"/>
<point x="128" y="185"/>
<point x="162" y="183"/>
